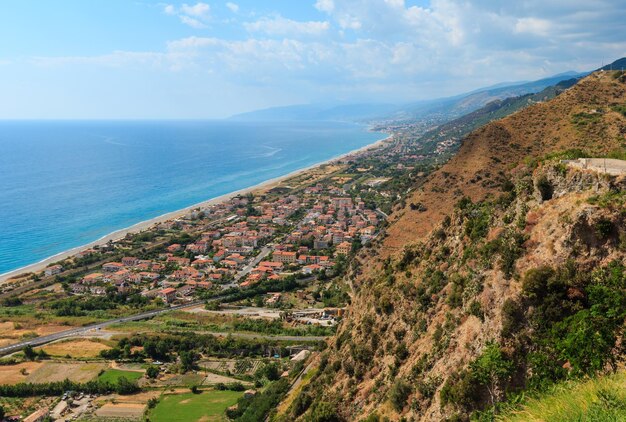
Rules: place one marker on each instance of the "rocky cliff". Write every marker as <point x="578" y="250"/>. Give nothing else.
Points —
<point x="508" y="276"/>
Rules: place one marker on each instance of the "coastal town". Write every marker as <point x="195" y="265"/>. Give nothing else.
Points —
<point x="304" y="226"/>
<point x="239" y="244"/>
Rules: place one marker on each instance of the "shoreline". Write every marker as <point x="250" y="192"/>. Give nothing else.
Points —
<point x="172" y="215"/>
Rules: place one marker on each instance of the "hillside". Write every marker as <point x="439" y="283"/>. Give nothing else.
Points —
<point x="454" y="107"/>
<point x="460" y="127"/>
<point x="440" y="109"/>
<point x="504" y="272"/>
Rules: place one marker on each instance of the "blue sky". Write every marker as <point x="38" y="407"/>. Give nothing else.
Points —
<point x="210" y="59"/>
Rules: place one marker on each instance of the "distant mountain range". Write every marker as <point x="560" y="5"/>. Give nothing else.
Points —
<point x="619" y="64"/>
<point x="440" y="109"/>
<point x="342" y="112"/>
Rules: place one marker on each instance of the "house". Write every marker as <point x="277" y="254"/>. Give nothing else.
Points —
<point x="186" y="290"/>
<point x="111" y="267"/>
<point x="37" y="416"/>
<point x="183" y="262"/>
<point x="237" y="258"/>
<point x="229" y="263"/>
<point x="344" y="248"/>
<point x="98" y="290"/>
<point x="285" y="257"/>
<point x="53" y="270"/>
<point x="271" y="264"/>
<point x="320" y="243"/>
<point x="219" y="255"/>
<point x="130" y="261"/>
<point x="200" y="284"/>
<point x="78" y="288"/>
<point x="273" y="299"/>
<point x="174" y="248"/>
<point x="368" y="231"/>
<point x="92" y="278"/>
<point x="168" y="295"/>
<point x="149" y="276"/>
<point x="308" y="269"/>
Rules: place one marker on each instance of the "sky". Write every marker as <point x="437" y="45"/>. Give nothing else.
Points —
<point x="133" y="59"/>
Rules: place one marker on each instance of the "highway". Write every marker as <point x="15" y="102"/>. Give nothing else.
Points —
<point x="81" y="330"/>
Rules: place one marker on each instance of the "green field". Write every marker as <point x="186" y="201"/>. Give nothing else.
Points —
<point x="112" y="375"/>
<point x="206" y="406"/>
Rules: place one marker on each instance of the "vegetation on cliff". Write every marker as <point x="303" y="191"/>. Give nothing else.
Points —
<point x="509" y="277"/>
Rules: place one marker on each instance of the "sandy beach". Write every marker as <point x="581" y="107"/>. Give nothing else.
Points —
<point x="148" y="224"/>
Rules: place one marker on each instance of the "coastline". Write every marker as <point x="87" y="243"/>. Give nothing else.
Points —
<point x="148" y="224"/>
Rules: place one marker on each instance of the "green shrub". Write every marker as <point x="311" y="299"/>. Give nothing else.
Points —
<point x="398" y="394"/>
<point x="475" y="309"/>
<point x="603" y="228"/>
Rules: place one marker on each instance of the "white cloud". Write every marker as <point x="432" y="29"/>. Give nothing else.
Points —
<point x="395" y="52"/>
<point x="196" y="16"/>
<point x="534" y="26"/>
<point x="281" y="26"/>
<point x="325" y="5"/>
<point x="199" y="10"/>
<point x="194" y="23"/>
<point x="233" y="7"/>
<point x="169" y="9"/>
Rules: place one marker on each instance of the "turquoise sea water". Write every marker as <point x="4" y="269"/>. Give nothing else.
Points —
<point x="65" y="184"/>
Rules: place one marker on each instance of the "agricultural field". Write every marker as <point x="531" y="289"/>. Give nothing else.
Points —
<point x="47" y="371"/>
<point x="207" y="406"/>
<point x="113" y="375"/>
<point x="121" y="411"/>
<point x="14" y="374"/>
<point x="232" y="366"/>
<point x="77" y="349"/>
<point x="58" y="371"/>
<point x="14" y="332"/>
<point x="185" y="380"/>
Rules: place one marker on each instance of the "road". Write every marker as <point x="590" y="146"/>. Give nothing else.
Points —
<point x="305" y="339"/>
<point x="81" y="330"/>
<point x="265" y="251"/>
<point x="75" y="332"/>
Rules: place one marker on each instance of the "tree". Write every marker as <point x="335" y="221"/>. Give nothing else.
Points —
<point x="124" y="386"/>
<point x="29" y="353"/>
<point x="1" y="413"/>
<point x="188" y="360"/>
<point x="271" y="371"/>
<point x="152" y="371"/>
<point x="491" y="368"/>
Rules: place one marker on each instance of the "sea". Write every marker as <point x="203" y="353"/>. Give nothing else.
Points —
<point x="64" y="184"/>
